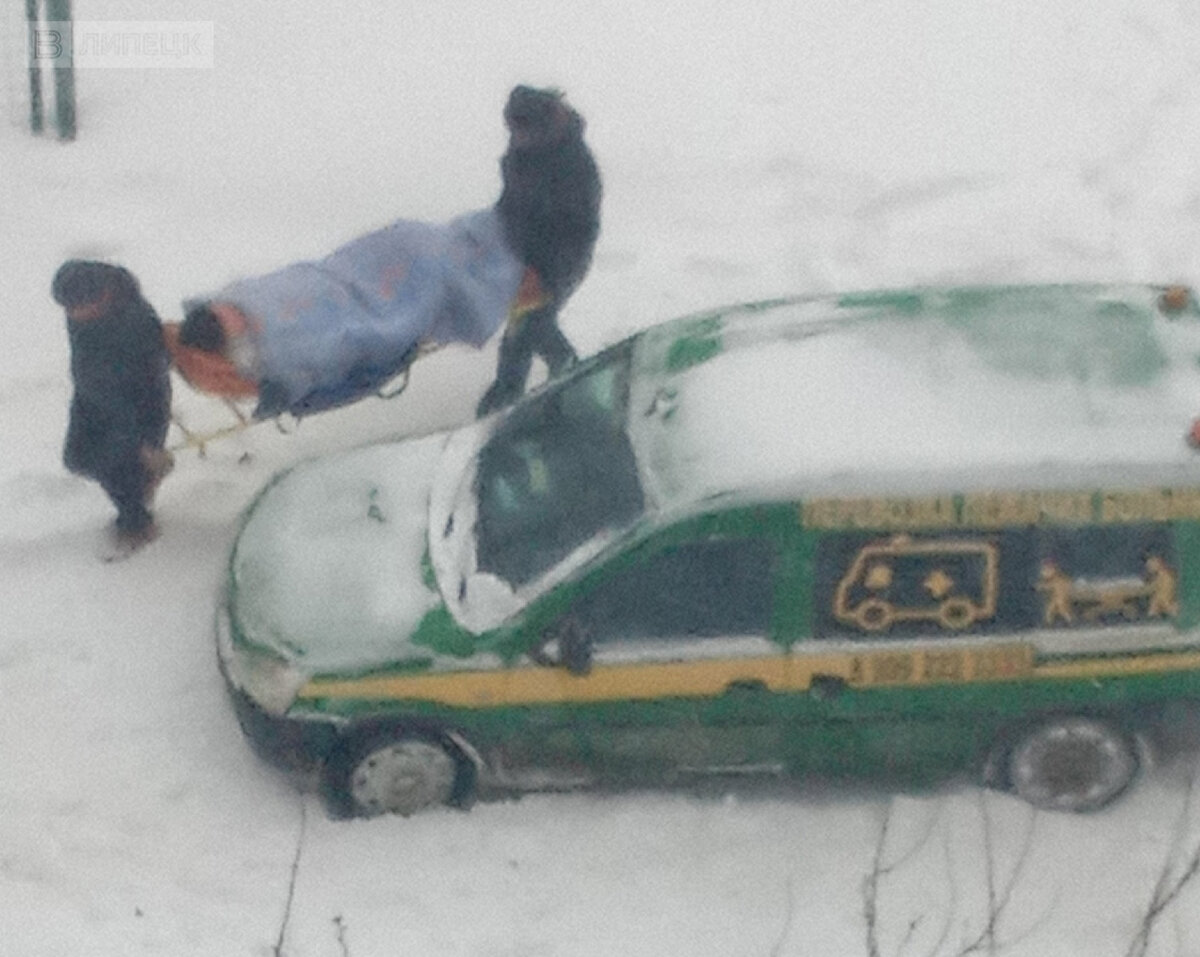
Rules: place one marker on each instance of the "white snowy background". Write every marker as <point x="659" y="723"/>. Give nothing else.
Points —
<point x="749" y="149"/>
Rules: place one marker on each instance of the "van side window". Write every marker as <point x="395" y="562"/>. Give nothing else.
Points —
<point x="699" y="589"/>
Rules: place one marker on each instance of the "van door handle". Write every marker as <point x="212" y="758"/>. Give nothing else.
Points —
<point x="826" y="687"/>
<point x="746" y="686"/>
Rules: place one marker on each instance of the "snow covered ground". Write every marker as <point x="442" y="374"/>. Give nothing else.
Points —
<point x="749" y="150"/>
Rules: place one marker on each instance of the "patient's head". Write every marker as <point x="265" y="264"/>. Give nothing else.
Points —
<point x="201" y="329"/>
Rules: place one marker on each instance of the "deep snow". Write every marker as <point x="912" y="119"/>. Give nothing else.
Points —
<point x="749" y="150"/>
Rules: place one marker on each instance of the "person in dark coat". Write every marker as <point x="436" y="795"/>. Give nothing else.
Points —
<point x="550" y="208"/>
<point x="121" y="407"/>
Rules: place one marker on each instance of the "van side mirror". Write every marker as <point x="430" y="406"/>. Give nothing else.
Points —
<point x="574" y="647"/>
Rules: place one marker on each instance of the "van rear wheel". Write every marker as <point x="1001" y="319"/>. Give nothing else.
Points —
<point x="1072" y="763"/>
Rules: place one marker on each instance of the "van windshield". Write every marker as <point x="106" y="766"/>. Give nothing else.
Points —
<point x="558" y="471"/>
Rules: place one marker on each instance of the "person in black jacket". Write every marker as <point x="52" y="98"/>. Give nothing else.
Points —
<point x="550" y="208"/>
<point x="121" y="407"/>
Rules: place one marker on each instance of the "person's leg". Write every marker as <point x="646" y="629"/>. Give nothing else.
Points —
<point x="128" y="486"/>
<point x="536" y="333"/>
<point x="512" y="369"/>
<point x="81" y="448"/>
<point x="546" y="339"/>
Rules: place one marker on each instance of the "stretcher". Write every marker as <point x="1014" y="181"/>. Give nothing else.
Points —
<point x="327" y="333"/>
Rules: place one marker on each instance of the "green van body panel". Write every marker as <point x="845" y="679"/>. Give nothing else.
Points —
<point x="837" y="724"/>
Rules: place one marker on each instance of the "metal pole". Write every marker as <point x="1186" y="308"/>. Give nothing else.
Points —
<point x="59" y="11"/>
<point x="37" y="119"/>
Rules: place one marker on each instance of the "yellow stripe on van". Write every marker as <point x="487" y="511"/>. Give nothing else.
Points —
<point x="543" y="685"/>
<point x="645" y="681"/>
<point x="1144" y="664"/>
<point x="534" y="685"/>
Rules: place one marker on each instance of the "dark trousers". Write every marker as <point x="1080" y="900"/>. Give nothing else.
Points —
<point x="535" y="333"/>
<point x="113" y="459"/>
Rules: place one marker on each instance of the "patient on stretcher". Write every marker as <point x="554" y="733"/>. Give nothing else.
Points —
<point x="319" y="334"/>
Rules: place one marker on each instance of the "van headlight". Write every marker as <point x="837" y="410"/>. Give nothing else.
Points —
<point x="269" y="681"/>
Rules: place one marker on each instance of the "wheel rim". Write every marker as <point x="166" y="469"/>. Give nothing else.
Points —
<point x="402" y="777"/>
<point x="1072" y="765"/>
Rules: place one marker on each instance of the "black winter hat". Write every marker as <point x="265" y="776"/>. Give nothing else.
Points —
<point x="81" y="282"/>
<point x="540" y="118"/>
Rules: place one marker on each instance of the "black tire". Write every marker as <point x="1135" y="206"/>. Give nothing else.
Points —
<point x="1072" y="763"/>
<point x="395" y="770"/>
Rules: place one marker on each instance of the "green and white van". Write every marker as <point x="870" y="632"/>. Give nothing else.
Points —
<point x="906" y="532"/>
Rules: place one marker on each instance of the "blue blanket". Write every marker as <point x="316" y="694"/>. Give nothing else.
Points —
<point x="327" y="332"/>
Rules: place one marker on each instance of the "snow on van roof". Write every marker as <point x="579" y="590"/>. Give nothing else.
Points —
<point x="958" y="388"/>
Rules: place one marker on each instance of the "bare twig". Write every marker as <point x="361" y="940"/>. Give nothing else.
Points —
<point x="788" y="916"/>
<point x="880" y="870"/>
<point x="998" y="898"/>
<point x="909" y="934"/>
<point x="951" y="904"/>
<point x="1000" y="888"/>
<point x="870" y="888"/>
<point x="295" y="873"/>
<point x="1165" y="894"/>
<point x="987" y="936"/>
<point x="340" y="924"/>
<point x="1167" y="889"/>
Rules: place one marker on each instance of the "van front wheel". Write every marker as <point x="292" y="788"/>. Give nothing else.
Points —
<point x="396" y="772"/>
<point x="1073" y="763"/>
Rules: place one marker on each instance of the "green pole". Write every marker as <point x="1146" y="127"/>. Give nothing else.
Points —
<point x="37" y="120"/>
<point x="59" y="11"/>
